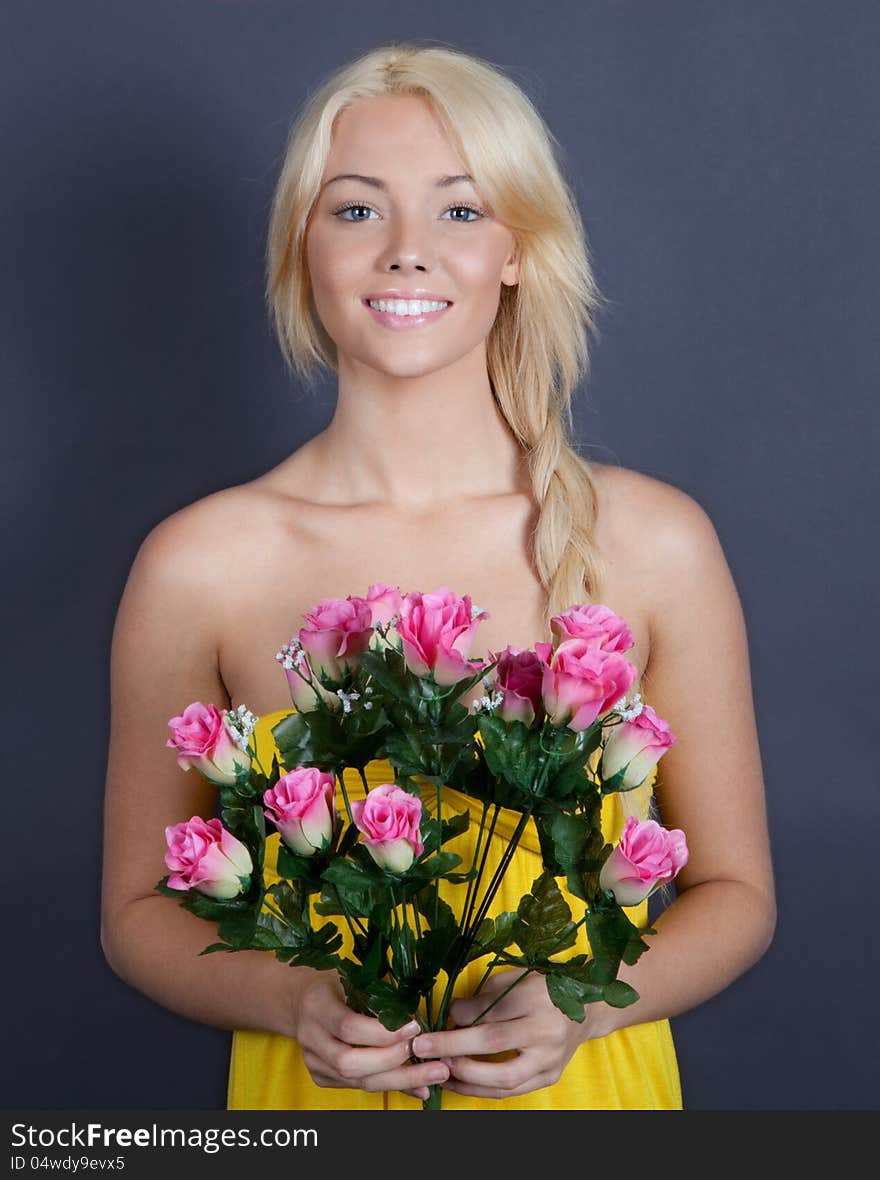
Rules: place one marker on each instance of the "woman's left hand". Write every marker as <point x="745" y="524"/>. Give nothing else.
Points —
<point x="525" y="1022"/>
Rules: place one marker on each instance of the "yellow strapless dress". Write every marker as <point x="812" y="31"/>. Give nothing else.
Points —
<point x="633" y="1068"/>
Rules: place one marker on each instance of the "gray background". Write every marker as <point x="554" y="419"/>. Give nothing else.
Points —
<point x="725" y="160"/>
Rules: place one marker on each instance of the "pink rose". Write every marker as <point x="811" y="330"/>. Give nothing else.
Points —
<point x="518" y="676"/>
<point x="637" y="745"/>
<point x="301" y="807"/>
<point x="389" y="819"/>
<point x="595" y="622"/>
<point x="305" y="696"/>
<point x="203" y="855"/>
<point x="337" y="631"/>
<point x="583" y="681"/>
<point x="647" y="856"/>
<point x="384" y="602"/>
<point x="437" y="632"/>
<point x="202" y="740"/>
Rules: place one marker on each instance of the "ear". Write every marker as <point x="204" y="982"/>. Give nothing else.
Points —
<point x="511" y="272"/>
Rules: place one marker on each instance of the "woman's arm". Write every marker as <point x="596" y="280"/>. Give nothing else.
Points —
<point x="710" y="781"/>
<point x="164" y="657"/>
<point x="710" y="785"/>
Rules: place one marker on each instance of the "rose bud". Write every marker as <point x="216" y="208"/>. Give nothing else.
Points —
<point x="647" y="856"/>
<point x="301" y="807"/>
<point x="306" y="691"/>
<point x="337" y="631"/>
<point x="204" y="856"/>
<point x="437" y="633"/>
<point x="518" y="676"/>
<point x="384" y="602"/>
<point x="202" y="739"/>
<point x="595" y="622"/>
<point x="582" y="681"/>
<point x="637" y="745"/>
<point x="389" y="821"/>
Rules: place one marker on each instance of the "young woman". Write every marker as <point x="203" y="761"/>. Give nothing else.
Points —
<point x="424" y="245"/>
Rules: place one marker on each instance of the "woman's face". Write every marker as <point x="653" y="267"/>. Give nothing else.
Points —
<point x="403" y="235"/>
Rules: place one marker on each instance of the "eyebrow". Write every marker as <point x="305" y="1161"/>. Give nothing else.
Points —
<point x="443" y="182"/>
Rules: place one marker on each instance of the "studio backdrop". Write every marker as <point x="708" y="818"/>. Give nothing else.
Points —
<point x="724" y="158"/>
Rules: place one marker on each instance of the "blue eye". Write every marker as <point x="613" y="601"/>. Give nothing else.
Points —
<point x="338" y="212"/>
<point x="478" y="213"/>
<point x="469" y="209"/>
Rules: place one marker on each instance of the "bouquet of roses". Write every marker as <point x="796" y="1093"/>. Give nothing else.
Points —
<point x="369" y="880"/>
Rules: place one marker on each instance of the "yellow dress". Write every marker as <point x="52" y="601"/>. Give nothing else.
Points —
<point x="633" y="1068"/>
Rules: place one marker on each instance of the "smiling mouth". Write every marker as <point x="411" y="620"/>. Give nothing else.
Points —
<point x="406" y="313"/>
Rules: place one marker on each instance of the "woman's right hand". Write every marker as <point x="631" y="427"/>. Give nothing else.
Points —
<point x="343" y="1048"/>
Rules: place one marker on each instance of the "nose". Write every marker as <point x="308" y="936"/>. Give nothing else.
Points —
<point x="409" y="247"/>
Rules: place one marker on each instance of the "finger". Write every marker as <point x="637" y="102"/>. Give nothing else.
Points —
<point x="503" y="1076"/>
<point x="356" y="1029"/>
<point x="408" y="1077"/>
<point x="517" y="1002"/>
<point x="459" y="1042"/>
<point x="472" y="1091"/>
<point x="353" y="1062"/>
<point x="466" y="1010"/>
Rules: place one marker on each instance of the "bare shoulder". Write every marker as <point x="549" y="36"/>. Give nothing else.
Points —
<point x="201" y="539"/>
<point x="662" y="534"/>
<point x="640" y="505"/>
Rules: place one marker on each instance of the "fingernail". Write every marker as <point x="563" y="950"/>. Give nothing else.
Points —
<point x="422" y="1046"/>
<point x="410" y="1030"/>
<point x="438" y="1074"/>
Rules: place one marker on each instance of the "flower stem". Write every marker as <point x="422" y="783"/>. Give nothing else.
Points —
<point x="500" y="996"/>
<point x="434" y="1101"/>
<point x="341" y="779"/>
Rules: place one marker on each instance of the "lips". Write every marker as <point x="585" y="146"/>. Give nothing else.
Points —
<point x="428" y="296"/>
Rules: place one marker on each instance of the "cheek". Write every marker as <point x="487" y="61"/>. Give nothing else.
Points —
<point x="333" y="265"/>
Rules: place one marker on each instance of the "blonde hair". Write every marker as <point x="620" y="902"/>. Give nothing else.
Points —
<point x="538" y="347"/>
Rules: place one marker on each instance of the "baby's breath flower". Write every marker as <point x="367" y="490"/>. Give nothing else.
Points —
<point x="347" y="698"/>
<point x="629" y="711"/>
<point x="240" y="723"/>
<point x="487" y="703"/>
<point x="291" y="654"/>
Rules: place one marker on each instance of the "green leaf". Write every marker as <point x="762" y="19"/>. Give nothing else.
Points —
<point x="392" y="1007"/>
<point x="566" y="994"/>
<point x="403" y="952"/>
<point x="437" y="865"/>
<point x="438" y="912"/>
<point x="293" y="739"/>
<point x="238" y="929"/>
<point x="613" y="938"/>
<point x="619" y="994"/>
<point x="569" y="840"/>
<point x="388" y="668"/>
<point x="292" y="865"/>
<point x="318" y="949"/>
<point x="358" y="889"/>
<point x="494" y="935"/>
<point x="568" y="783"/>
<point x="435" y="950"/>
<point x="457" y="825"/>
<point x="544" y="923"/>
<point x="512" y="752"/>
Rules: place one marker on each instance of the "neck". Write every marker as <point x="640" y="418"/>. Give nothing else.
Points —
<point x="413" y="443"/>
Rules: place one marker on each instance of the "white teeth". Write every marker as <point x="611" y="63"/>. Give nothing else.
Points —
<point x="407" y="306"/>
